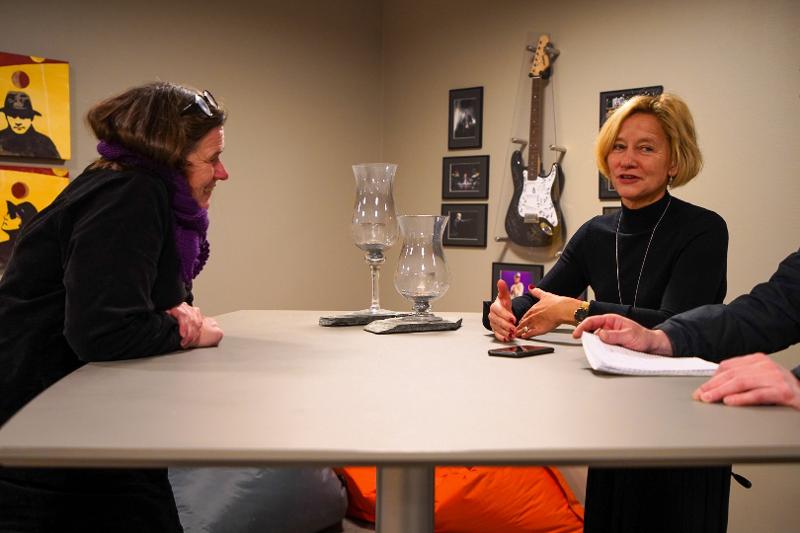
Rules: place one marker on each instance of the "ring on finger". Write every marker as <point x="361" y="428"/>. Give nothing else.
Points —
<point x="524" y="329"/>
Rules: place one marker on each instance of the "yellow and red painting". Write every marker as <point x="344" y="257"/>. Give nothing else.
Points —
<point x="24" y="191"/>
<point x="35" y="93"/>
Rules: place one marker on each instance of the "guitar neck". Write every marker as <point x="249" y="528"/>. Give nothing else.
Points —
<point x="535" y="137"/>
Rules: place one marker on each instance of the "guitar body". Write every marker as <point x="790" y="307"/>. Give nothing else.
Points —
<point x="533" y="217"/>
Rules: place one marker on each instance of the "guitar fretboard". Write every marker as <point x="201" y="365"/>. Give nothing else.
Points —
<point x="535" y="138"/>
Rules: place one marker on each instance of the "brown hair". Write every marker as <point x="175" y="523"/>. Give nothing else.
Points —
<point x="676" y="120"/>
<point x="150" y="120"/>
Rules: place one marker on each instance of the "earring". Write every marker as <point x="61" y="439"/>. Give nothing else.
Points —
<point x="671" y="179"/>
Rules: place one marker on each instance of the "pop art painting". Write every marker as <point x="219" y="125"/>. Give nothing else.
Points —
<point x="35" y="111"/>
<point x="24" y="191"/>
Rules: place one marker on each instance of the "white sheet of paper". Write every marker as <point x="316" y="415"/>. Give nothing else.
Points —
<point x="618" y="360"/>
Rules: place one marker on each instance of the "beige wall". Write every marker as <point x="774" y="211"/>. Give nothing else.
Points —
<point x="315" y="87"/>
<point x="303" y="86"/>
<point x="734" y="62"/>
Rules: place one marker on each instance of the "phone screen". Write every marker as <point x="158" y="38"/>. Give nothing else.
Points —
<point x="521" y="350"/>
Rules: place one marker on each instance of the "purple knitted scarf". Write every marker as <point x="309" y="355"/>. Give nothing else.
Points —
<point x="191" y="220"/>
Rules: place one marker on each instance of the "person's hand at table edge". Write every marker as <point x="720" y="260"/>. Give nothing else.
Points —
<point x="754" y="379"/>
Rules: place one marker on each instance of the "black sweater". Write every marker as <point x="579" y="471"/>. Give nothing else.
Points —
<point x="685" y="266"/>
<point x="89" y="280"/>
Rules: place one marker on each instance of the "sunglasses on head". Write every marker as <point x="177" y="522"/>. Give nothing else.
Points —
<point x="205" y="102"/>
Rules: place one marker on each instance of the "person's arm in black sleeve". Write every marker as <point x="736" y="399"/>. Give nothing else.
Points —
<point x="698" y="277"/>
<point x="766" y="320"/>
<point x="566" y="278"/>
<point x="111" y="263"/>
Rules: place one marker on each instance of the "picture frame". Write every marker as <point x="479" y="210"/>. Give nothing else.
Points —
<point x="465" y="118"/>
<point x="35" y="96"/>
<point x="529" y="274"/>
<point x="609" y="101"/>
<point x="611" y="209"/>
<point x="466" y="225"/>
<point x="465" y="177"/>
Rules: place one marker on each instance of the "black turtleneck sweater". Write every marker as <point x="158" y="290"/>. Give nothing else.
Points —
<point x="684" y="268"/>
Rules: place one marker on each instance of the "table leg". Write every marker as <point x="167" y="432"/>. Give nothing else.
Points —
<point x="404" y="499"/>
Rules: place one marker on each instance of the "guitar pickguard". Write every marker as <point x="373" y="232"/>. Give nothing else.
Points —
<point x="536" y="200"/>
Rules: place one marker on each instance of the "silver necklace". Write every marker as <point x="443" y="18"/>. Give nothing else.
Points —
<point x="616" y="250"/>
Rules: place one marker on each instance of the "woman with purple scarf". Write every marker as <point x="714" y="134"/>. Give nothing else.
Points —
<point x="105" y="273"/>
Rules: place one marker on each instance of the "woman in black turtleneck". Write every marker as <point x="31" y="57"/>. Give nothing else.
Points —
<point x="657" y="257"/>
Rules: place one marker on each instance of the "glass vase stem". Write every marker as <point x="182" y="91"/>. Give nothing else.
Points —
<point x="375" y="271"/>
<point x="375" y="260"/>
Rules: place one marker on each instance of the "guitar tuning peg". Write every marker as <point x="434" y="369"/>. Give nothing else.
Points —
<point x="552" y="51"/>
<point x="530" y="48"/>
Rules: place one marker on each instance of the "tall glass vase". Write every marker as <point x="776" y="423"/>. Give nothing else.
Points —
<point x="374" y="230"/>
<point x="374" y="224"/>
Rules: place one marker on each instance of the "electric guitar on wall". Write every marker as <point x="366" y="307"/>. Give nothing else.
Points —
<point x="534" y="216"/>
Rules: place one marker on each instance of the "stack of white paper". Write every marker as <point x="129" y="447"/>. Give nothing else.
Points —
<point x="618" y="360"/>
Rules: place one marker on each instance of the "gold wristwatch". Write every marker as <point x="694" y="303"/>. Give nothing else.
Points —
<point x="581" y="312"/>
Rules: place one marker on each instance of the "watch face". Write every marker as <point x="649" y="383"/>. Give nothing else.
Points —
<point x="580" y="314"/>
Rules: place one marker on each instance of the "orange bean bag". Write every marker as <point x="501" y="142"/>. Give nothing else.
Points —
<point x="483" y="499"/>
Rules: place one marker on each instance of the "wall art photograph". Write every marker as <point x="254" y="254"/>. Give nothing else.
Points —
<point x="609" y="102"/>
<point x="466" y="225"/>
<point x="517" y="276"/>
<point x="24" y="191"/>
<point x="465" y="177"/>
<point x="35" y="92"/>
<point x="465" y="124"/>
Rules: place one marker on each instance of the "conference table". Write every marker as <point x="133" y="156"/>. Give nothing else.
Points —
<point x="281" y="391"/>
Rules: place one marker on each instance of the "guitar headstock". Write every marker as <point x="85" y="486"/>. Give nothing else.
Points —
<point x="543" y="56"/>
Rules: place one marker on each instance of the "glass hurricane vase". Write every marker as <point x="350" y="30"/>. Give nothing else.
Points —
<point x="421" y="274"/>
<point x="374" y="224"/>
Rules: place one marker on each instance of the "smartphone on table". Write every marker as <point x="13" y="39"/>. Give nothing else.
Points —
<point x="521" y="350"/>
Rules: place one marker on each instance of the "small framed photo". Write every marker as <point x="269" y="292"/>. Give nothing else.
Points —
<point x="608" y="209"/>
<point x="517" y="276"/>
<point x="609" y="102"/>
<point x="465" y="177"/>
<point x="467" y="224"/>
<point x="465" y="119"/>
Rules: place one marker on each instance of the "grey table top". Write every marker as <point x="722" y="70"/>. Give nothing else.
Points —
<point x="282" y="390"/>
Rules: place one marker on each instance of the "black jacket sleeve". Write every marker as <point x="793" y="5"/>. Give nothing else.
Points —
<point x="766" y="320"/>
<point x="110" y="267"/>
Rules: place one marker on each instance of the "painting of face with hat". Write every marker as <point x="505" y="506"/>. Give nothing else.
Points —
<point x="20" y="138"/>
<point x="35" y="107"/>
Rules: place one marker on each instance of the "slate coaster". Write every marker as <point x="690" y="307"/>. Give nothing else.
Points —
<point x="356" y="319"/>
<point x="404" y="325"/>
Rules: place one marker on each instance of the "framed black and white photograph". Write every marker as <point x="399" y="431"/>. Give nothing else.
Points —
<point x="517" y="277"/>
<point x="611" y="209"/>
<point x="467" y="224"/>
<point x="465" y="177"/>
<point x="465" y="119"/>
<point x="609" y="102"/>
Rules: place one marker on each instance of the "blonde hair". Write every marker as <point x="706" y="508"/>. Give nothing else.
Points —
<point x="676" y="120"/>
